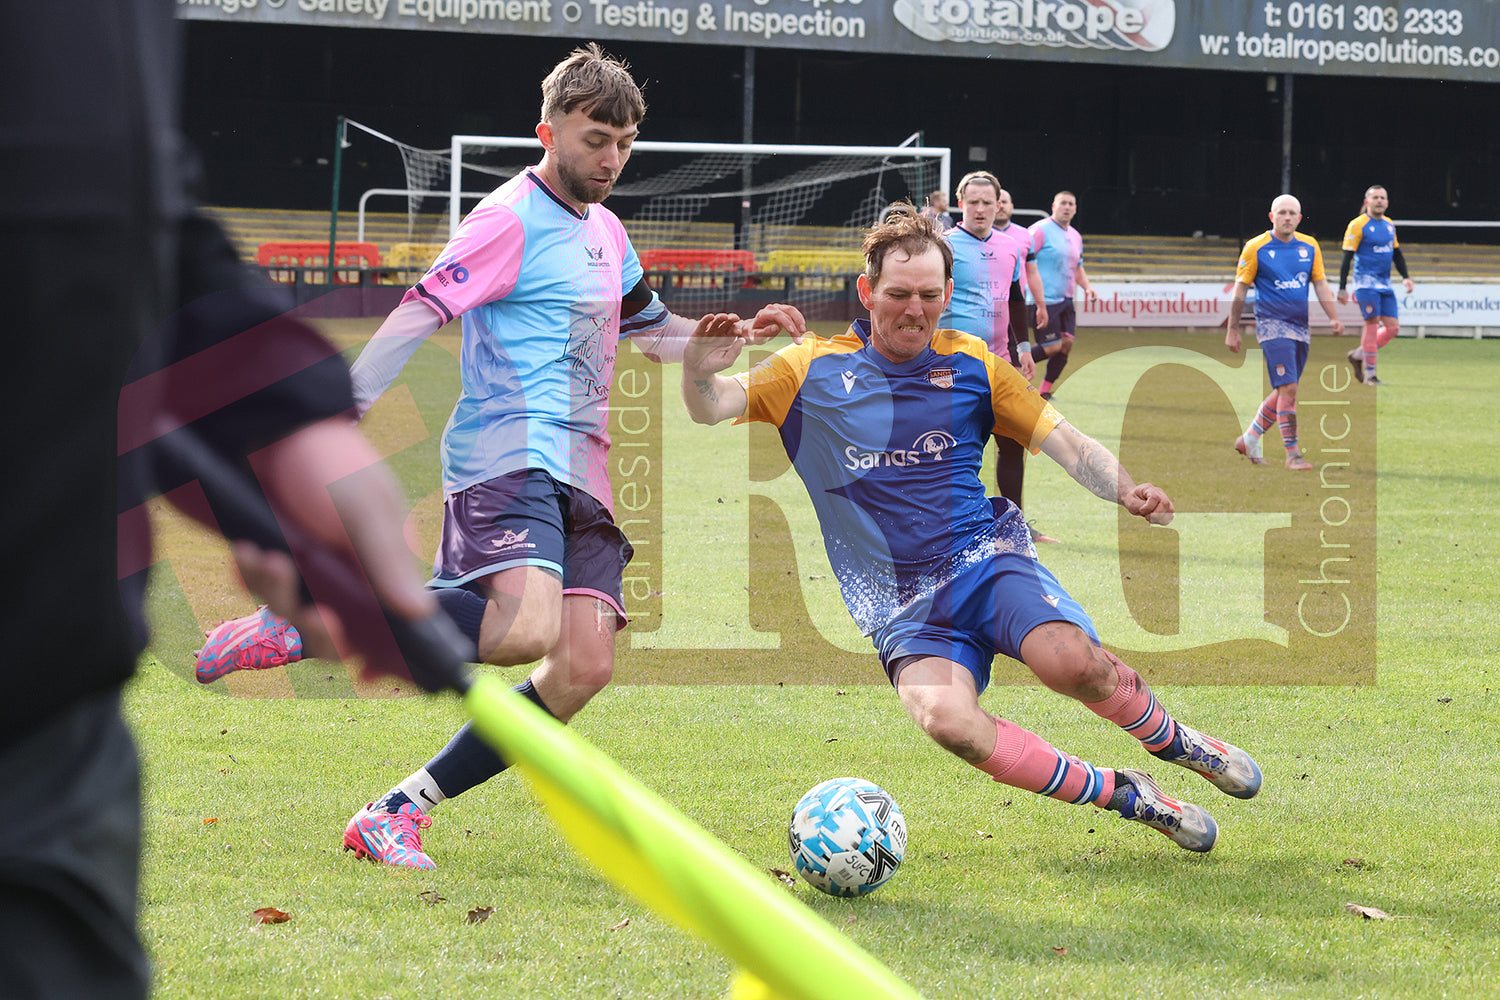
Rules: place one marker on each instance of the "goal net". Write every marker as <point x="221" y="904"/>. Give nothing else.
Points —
<point x="715" y="224"/>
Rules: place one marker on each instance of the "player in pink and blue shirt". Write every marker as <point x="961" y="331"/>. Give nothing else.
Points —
<point x="530" y="561"/>
<point x="990" y="257"/>
<point x="1059" y="259"/>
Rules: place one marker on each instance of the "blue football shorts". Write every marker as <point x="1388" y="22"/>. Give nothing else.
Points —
<point x="987" y="608"/>
<point x="527" y="518"/>
<point x="1285" y="359"/>
<point x="1375" y="302"/>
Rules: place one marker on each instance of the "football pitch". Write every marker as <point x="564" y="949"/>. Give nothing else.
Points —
<point x="740" y="687"/>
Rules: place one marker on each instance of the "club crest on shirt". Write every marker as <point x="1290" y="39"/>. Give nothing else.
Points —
<point x="595" y="255"/>
<point x="848" y="382"/>
<point x="942" y="377"/>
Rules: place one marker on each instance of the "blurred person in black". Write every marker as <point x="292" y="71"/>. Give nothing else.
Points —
<point x="100" y="247"/>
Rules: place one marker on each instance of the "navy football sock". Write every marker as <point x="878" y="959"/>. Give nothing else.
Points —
<point x="1055" y="365"/>
<point x="468" y="760"/>
<point x="466" y="609"/>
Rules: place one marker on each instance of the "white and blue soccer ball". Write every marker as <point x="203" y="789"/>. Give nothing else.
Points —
<point x="847" y="837"/>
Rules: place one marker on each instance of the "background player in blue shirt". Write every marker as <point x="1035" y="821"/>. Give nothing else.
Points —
<point x="1281" y="264"/>
<point x="1370" y="244"/>
<point x="886" y="425"/>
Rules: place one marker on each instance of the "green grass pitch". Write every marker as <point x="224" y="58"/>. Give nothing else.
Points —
<point x="739" y="692"/>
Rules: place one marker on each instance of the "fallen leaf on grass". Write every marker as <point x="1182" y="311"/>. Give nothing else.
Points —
<point x="1355" y="862"/>
<point x="1058" y="949"/>
<point x="479" y="914"/>
<point x="1368" y="912"/>
<point x="623" y="923"/>
<point x="270" y="915"/>
<point x="785" y="878"/>
<point x="984" y="835"/>
<point x="430" y="897"/>
<point x="210" y="820"/>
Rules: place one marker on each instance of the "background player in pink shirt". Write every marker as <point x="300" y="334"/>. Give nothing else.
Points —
<point x="1059" y="259"/>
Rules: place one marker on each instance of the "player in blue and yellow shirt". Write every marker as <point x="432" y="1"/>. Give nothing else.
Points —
<point x="1280" y="264"/>
<point x="886" y="425"/>
<point x="1370" y="244"/>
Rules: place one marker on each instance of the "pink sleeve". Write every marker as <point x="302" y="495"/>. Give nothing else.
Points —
<point x="1038" y="239"/>
<point x="480" y="263"/>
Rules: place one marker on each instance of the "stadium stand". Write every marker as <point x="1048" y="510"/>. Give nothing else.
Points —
<point x="699" y="267"/>
<point x="1108" y="257"/>
<point x="815" y="269"/>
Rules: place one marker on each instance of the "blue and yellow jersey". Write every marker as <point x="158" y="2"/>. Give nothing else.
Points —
<point x="1373" y="242"/>
<point x="890" y="455"/>
<point x="1281" y="272"/>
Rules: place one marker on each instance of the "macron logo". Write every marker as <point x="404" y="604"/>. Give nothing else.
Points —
<point x="848" y="382"/>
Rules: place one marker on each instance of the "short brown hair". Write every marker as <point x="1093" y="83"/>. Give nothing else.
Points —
<point x="598" y="85"/>
<point x="977" y="177"/>
<point x="903" y="228"/>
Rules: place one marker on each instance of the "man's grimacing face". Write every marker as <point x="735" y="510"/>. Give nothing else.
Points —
<point x="906" y="303"/>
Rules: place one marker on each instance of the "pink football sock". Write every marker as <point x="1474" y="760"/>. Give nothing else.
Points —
<point x="1025" y="760"/>
<point x="1135" y="709"/>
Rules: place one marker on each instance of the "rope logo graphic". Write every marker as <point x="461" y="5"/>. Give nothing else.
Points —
<point x="1132" y="25"/>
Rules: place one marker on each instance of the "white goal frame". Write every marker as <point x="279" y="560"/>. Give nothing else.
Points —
<point x="943" y="154"/>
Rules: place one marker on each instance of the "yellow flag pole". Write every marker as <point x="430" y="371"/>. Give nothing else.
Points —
<point x="652" y="851"/>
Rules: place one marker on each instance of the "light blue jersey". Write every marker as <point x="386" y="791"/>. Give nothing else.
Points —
<point x="539" y="287"/>
<point x="1058" y="251"/>
<point x="983" y="271"/>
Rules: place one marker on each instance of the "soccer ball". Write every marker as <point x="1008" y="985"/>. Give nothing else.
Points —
<point x="847" y="837"/>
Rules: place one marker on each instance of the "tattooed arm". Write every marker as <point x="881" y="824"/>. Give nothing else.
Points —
<point x="1099" y="472"/>
<point x="714" y="346"/>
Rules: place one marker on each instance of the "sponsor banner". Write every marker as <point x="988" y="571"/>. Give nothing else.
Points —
<point x="1192" y="304"/>
<point x="1448" y="39"/>
<point x="1450" y="305"/>
<point x="1163" y="303"/>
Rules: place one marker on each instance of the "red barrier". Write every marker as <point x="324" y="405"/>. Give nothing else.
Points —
<point x="285" y="258"/>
